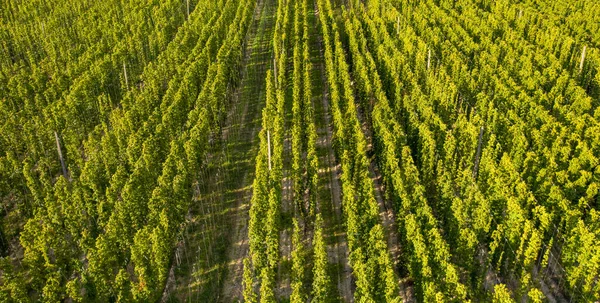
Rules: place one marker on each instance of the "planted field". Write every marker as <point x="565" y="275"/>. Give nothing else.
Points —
<point x="300" y="151"/>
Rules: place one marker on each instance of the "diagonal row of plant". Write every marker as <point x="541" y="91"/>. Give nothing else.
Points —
<point x="437" y="276"/>
<point x="265" y="206"/>
<point x="313" y="282"/>
<point x="62" y="89"/>
<point x="369" y="256"/>
<point x="124" y="209"/>
<point x="419" y="83"/>
<point x="566" y="179"/>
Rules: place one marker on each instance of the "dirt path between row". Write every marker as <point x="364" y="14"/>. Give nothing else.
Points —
<point x="200" y="266"/>
<point x="388" y="220"/>
<point x="386" y="211"/>
<point x="330" y="172"/>
<point x="243" y="146"/>
<point x="284" y="289"/>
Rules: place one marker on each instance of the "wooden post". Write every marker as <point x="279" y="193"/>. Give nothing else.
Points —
<point x="60" y="156"/>
<point x="269" y="147"/>
<point x="582" y="58"/>
<point x="125" y="72"/>
<point x="275" y="71"/>
<point x="429" y="59"/>
<point x="478" y="155"/>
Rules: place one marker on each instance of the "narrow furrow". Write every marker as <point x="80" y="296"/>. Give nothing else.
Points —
<point x="241" y="149"/>
<point x="330" y="195"/>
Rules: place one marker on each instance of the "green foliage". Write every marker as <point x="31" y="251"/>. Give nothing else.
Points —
<point x="127" y="112"/>
<point x="249" y="295"/>
<point x="322" y="284"/>
<point x="298" y="266"/>
<point x="267" y="287"/>
<point x="501" y="294"/>
<point x="481" y="116"/>
<point x="372" y="268"/>
<point x="431" y="75"/>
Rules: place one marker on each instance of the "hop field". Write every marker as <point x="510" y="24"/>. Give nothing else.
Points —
<point x="300" y="151"/>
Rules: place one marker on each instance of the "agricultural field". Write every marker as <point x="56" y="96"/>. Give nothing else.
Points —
<point x="300" y="151"/>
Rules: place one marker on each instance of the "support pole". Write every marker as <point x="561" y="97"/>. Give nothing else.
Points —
<point x="125" y="72"/>
<point x="275" y="71"/>
<point x="478" y="155"/>
<point x="428" y="59"/>
<point x="582" y="58"/>
<point x="60" y="156"/>
<point x="269" y="147"/>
